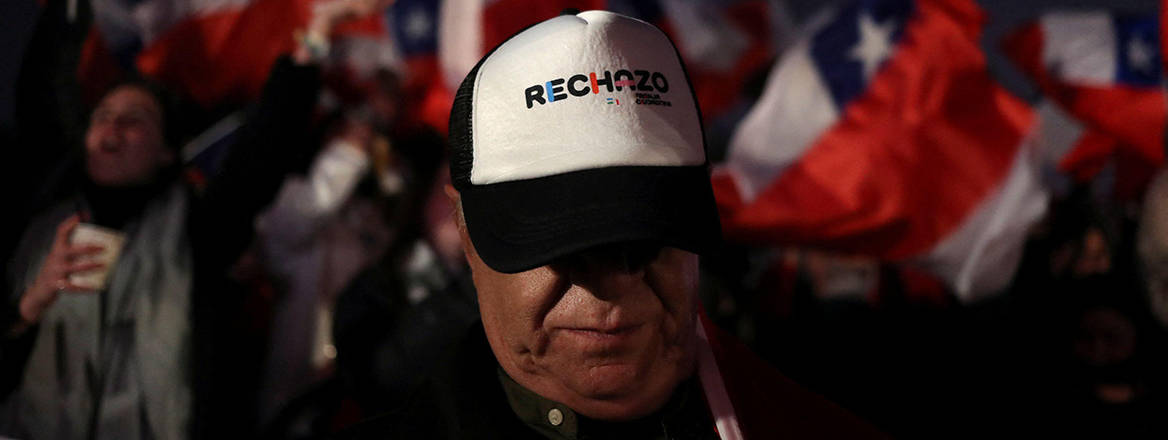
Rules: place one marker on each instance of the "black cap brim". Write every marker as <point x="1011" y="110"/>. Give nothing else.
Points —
<point x="520" y="225"/>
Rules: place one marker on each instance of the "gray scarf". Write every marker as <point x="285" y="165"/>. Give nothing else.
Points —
<point x="116" y="363"/>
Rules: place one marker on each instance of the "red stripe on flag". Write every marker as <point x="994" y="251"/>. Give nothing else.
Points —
<point x="97" y="70"/>
<point x="1024" y="48"/>
<point x="371" y="26"/>
<point x="225" y="56"/>
<point x="427" y="94"/>
<point x="911" y="158"/>
<point x="1088" y="156"/>
<point x="503" y="18"/>
<point x="1164" y="33"/>
<point x="1094" y="150"/>
<point x="1135" y="116"/>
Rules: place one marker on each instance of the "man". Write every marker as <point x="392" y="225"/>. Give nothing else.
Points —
<point x="583" y="196"/>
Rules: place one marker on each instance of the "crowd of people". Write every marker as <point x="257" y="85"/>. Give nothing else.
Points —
<point x="335" y="262"/>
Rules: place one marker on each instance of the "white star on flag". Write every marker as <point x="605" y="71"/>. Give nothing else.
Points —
<point x="417" y="24"/>
<point x="874" y="45"/>
<point x="1139" y="54"/>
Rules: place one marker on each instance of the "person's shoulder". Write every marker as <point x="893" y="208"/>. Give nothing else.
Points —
<point x="461" y="399"/>
<point x="770" y="404"/>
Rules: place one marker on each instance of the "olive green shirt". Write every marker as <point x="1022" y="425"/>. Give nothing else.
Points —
<point x="685" y="417"/>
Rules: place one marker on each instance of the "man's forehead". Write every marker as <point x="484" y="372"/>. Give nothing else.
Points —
<point x="129" y="98"/>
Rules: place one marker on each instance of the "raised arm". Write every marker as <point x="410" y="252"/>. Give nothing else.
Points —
<point x="305" y="203"/>
<point x="276" y="133"/>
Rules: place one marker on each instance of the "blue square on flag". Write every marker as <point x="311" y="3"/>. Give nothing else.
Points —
<point x="851" y="49"/>
<point x="415" y="26"/>
<point x="1138" y="50"/>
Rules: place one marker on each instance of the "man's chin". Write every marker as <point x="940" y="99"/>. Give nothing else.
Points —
<point x="108" y="178"/>
<point x="620" y="391"/>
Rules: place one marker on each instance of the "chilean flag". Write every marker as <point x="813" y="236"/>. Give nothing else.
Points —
<point x="883" y="134"/>
<point x="414" y="26"/>
<point x="218" y="52"/>
<point x="215" y="51"/>
<point x="1105" y="71"/>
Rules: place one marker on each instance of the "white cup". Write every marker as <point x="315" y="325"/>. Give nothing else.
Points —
<point x="111" y="242"/>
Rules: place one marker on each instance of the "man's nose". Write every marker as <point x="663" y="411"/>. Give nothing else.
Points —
<point x="107" y="131"/>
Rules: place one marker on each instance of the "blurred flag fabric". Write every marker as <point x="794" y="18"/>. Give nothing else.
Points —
<point x="1105" y="71"/>
<point x="723" y="42"/>
<point x="1074" y="155"/>
<point x="210" y="50"/>
<point x="414" y="26"/>
<point x="1164" y="34"/>
<point x="217" y="52"/>
<point x="883" y="134"/>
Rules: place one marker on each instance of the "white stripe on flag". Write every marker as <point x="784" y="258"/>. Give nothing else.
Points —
<point x="979" y="259"/>
<point x="147" y="20"/>
<point x="460" y="39"/>
<point x="1080" y="47"/>
<point x="793" y="111"/>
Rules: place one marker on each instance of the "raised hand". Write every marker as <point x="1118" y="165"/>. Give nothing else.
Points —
<point x="63" y="260"/>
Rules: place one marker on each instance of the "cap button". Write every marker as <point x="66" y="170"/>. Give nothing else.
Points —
<point x="555" y="417"/>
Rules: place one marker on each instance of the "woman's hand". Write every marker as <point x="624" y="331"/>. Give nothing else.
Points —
<point x="63" y="260"/>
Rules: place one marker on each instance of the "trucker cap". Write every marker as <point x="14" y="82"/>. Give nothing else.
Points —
<point x="577" y="132"/>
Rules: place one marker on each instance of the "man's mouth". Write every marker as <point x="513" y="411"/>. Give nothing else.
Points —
<point x="602" y="338"/>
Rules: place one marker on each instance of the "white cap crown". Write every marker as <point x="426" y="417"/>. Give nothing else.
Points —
<point x="581" y="92"/>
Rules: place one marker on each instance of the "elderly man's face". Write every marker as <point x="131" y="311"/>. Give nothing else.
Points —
<point x="608" y="332"/>
<point x="124" y="145"/>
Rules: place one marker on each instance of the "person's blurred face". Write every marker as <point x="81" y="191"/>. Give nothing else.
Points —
<point x="124" y="144"/>
<point x="1094" y="258"/>
<point x="609" y="331"/>
<point x="1106" y="337"/>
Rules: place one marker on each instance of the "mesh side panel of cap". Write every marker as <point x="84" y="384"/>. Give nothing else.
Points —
<point x="461" y="150"/>
<point x="461" y="112"/>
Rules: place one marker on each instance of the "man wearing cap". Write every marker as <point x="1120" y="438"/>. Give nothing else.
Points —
<point x="583" y="196"/>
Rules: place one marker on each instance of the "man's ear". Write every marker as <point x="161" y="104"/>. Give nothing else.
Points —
<point x="459" y="220"/>
<point x="455" y="205"/>
<point x="451" y="193"/>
